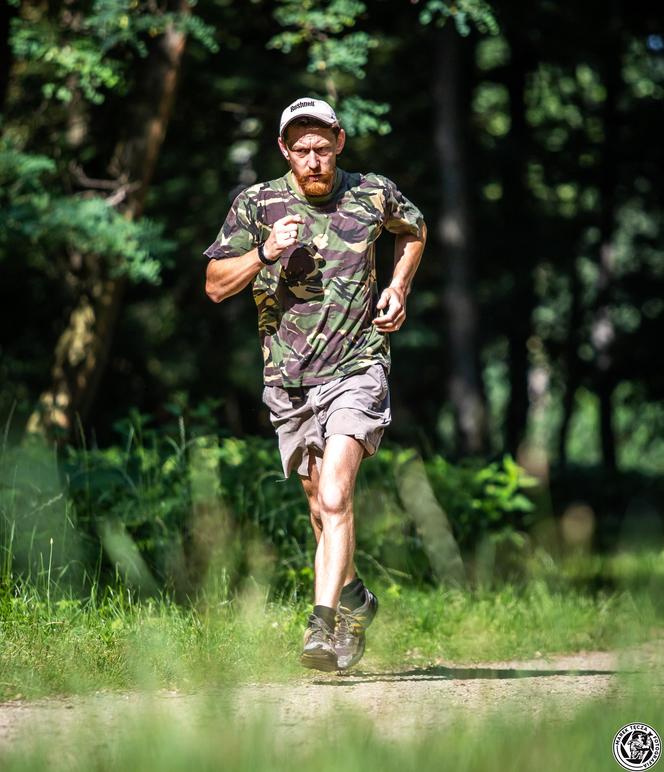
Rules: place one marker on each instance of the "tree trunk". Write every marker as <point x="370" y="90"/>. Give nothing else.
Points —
<point x="82" y="351"/>
<point x="455" y="234"/>
<point x="521" y="245"/>
<point x="602" y="328"/>
<point x="6" y="13"/>
<point x="431" y="521"/>
<point x="571" y="367"/>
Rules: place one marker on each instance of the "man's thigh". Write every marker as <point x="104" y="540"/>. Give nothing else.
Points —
<point x="341" y="462"/>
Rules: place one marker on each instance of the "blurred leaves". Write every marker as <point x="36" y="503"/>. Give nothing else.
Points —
<point x="92" y="226"/>
<point x="462" y="13"/>
<point x="362" y="117"/>
<point x="32" y="213"/>
<point x="481" y="498"/>
<point x="337" y="56"/>
<point x="128" y="22"/>
<point x="63" y="66"/>
<point x="183" y="493"/>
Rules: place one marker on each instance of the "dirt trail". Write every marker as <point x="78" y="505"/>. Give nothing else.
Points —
<point x="398" y="702"/>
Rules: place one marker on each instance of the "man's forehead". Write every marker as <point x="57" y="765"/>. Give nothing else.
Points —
<point x="309" y="135"/>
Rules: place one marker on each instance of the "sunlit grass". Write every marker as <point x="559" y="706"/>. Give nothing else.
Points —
<point x="513" y="622"/>
<point x="71" y="646"/>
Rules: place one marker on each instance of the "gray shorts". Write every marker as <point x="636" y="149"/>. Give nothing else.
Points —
<point x="357" y="405"/>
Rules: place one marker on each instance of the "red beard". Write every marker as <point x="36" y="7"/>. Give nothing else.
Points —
<point x="320" y="186"/>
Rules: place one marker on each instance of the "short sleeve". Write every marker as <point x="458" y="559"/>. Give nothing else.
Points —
<point x="401" y="215"/>
<point x="240" y="232"/>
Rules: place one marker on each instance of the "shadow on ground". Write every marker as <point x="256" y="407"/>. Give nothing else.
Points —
<point x="441" y="673"/>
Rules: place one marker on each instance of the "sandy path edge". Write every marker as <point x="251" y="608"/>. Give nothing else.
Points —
<point x="398" y="702"/>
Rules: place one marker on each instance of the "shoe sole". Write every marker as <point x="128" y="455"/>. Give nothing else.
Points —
<point x="319" y="660"/>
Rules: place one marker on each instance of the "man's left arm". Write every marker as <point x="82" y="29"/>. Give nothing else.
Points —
<point x="407" y="254"/>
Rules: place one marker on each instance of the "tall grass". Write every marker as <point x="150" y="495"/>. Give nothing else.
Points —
<point x="176" y="560"/>
<point x="114" y="641"/>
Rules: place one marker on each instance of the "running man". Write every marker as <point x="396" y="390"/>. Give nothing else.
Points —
<point x="306" y="241"/>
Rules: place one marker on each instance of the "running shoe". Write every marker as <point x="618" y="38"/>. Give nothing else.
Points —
<point x="318" y="651"/>
<point x="349" y="632"/>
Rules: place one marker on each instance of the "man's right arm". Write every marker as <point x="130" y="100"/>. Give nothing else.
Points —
<point x="229" y="275"/>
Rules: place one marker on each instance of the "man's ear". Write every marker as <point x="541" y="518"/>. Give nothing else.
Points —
<point x="283" y="148"/>
<point x="341" y="140"/>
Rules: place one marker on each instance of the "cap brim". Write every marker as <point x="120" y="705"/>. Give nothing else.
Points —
<point x="307" y="115"/>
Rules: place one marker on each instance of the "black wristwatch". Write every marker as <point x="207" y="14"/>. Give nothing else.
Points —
<point x="263" y="259"/>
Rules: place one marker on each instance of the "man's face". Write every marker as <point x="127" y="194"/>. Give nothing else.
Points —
<point x="312" y="154"/>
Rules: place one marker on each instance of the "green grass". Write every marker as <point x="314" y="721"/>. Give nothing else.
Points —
<point x="513" y="622"/>
<point x="51" y="646"/>
<point x="71" y="646"/>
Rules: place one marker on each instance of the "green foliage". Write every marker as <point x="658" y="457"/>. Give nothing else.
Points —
<point x="463" y="13"/>
<point x="349" y="55"/>
<point x="334" y="54"/>
<point x="65" y="65"/>
<point x="514" y="621"/>
<point x="362" y="117"/>
<point x="91" y="225"/>
<point x="340" y="57"/>
<point x="78" y="55"/>
<point x="152" y="486"/>
<point x="313" y="17"/>
<point x="187" y="505"/>
<point x="22" y="192"/>
<point x="33" y="214"/>
<point x="41" y="219"/>
<point x="480" y="498"/>
<point x="127" y="23"/>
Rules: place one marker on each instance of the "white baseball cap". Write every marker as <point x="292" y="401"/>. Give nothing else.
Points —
<point x="311" y="108"/>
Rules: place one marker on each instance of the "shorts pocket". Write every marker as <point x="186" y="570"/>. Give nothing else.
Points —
<point x="377" y="372"/>
<point x="383" y="376"/>
<point x="276" y="399"/>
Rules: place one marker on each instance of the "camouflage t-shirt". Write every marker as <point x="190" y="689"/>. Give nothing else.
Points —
<point x="315" y="305"/>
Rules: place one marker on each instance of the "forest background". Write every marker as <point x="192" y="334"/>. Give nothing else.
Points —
<point x="529" y="135"/>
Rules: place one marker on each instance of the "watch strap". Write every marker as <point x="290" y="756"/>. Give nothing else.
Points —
<point x="262" y="258"/>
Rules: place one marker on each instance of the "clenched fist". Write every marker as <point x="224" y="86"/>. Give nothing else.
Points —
<point x="393" y="304"/>
<point x="282" y="236"/>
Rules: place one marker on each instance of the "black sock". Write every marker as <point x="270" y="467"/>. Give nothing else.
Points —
<point x="352" y="595"/>
<point x="327" y="614"/>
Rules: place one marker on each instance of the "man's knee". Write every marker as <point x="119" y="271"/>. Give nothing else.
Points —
<point x="333" y="502"/>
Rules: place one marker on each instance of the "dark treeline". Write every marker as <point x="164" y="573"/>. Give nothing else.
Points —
<point x="529" y="134"/>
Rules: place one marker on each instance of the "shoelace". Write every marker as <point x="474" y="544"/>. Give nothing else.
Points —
<point x="320" y="629"/>
<point x="347" y="626"/>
